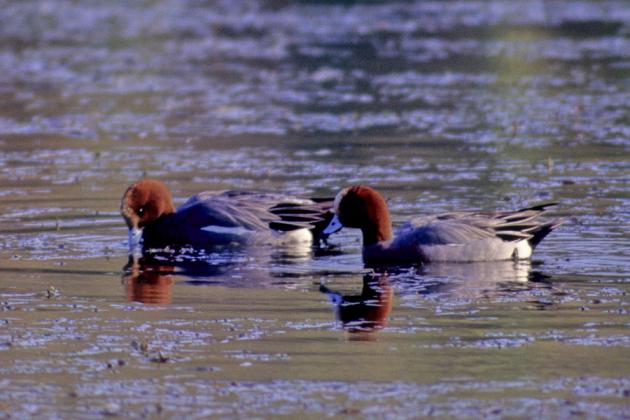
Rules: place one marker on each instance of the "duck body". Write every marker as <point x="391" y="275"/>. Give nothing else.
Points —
<point x="448" y="237"/>
<point x="223" y="218"/>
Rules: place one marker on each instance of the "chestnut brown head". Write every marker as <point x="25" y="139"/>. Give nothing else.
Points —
<point x="144" y="202"/>
<point x="362" y="207"/>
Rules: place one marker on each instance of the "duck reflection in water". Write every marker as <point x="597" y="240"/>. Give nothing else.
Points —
<point x="148" y="281"/>
<point x="149" y="277"/>
<point x="472" y="281"/>
<point x="361" y="315"/>
<point x="460" y="285"/>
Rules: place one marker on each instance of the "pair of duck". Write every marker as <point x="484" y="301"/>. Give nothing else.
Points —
<point x="242" y="217"/>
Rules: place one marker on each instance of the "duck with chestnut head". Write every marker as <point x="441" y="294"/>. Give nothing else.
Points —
<point x="447" y="237"/>
<point x="223" y="218"/>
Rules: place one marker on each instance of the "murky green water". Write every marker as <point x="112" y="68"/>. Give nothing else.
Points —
<point x="440" y="105"/>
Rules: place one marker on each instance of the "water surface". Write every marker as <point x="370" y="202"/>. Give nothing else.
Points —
<point x="440" y="105"/>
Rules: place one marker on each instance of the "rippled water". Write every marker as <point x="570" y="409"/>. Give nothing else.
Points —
<point x="440" y="105"/>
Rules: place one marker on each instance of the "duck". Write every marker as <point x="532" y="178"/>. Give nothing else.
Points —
<point x="219" y="218"/>
<point x="462" y="236"/>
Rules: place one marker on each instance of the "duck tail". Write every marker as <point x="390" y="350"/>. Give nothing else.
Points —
<point x="543" y="230"/>
<point x="315" y="216"/>
<point x="523" y="224"/>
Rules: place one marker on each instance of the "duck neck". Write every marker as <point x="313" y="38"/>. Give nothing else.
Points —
<point x="166" y="207"/>
<point x="162" y="231"/>
<point x="378" y="231"/>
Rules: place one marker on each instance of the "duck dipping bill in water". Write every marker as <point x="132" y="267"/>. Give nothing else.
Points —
<point x="448" y="237"/>
<point x="221" y="218"/>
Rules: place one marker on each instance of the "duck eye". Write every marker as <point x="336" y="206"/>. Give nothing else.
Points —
<point x="141" y="211"/>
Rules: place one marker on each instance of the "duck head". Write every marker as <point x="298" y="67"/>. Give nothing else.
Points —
<point x="362" y="207"/>
<point x="143" y="203"/>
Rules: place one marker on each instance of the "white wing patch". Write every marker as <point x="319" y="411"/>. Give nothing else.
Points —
<point x="230" y="230"/>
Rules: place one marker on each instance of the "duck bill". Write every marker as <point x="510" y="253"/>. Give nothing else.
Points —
<point x="334" y="226"/>
<point x="135" y="241"/>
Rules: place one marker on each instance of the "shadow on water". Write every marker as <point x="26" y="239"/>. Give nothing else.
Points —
<point x="155" y="278"/>
<point x="148" y="281"/>
<point x="482" y="283"/>
<point x="481" y="279"/>
<point x="150" y="277"/>
<point x="363" y="314"/>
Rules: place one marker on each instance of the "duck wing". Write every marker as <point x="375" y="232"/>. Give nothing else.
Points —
<point x="256" y="211"/>
<point x="464" y="227"/>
